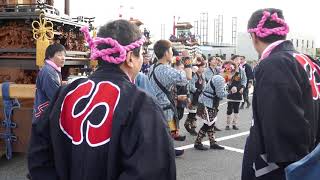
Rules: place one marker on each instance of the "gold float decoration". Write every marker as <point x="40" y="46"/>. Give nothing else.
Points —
<point x="42" y="32"/>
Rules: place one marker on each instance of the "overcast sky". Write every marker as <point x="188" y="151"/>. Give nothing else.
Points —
<point x="303" y="17"/>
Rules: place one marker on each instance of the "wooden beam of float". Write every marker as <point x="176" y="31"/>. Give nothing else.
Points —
<point x="42" y="32"/>
<point x="21" y="91"/>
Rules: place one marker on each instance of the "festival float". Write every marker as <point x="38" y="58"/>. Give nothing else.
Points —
<point x="27" y="27"/>
<point x="183" y="40"/>
<point x="146" y="34"/>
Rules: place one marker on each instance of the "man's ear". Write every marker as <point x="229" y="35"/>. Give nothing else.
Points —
<point x="166" y="54"/>
<point x="254" y="38"/>
<point x="129" y="60"/>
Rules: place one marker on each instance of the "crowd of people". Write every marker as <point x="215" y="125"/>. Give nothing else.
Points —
<point x="121" y="121"/>
<point x="179" y="82"/>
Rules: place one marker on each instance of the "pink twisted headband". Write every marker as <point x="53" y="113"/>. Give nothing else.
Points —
<point x="106" y="54"/>
<point x="228" y="67"/>
<point x="262" y="32"/>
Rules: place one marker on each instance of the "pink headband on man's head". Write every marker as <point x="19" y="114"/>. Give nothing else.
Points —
<point x="228" y="67"/>
<point x="262" y="32"/>
<point x="106" y="54"/>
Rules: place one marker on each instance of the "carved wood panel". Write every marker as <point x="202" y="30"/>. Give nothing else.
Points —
<point x="16" y="34"/>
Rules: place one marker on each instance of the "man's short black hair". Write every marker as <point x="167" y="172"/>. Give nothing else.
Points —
<point x="211" y="58"/>
<point x="161" y="47"/>
<point x="234" y="57"/>
<point x="53" y="49"/>
<point x="121" y="30"/>
<point x="255" y="19"/>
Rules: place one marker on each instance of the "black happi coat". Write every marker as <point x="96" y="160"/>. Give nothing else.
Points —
<point x="102" y="128"/>
<point x="249" y="73"/>
<point x="181" y="90"/>
<point x="236" y="81"/>
<point x="285" y="114"/>
<point x="199" y="85"/>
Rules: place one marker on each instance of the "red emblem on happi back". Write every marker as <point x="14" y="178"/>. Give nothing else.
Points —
<point x="313" y="72"/>
<point x="104" y="94"/>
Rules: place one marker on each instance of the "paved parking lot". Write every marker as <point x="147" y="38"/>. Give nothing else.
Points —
<point x="193" y="165"/>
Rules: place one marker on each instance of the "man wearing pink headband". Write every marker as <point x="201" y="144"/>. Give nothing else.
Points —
<point x="103" y="127"/>
<point x="208" y="105"/>
<point x="285" y="104"/>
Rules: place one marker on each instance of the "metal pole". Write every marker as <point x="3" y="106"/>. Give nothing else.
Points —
<point x="174" y="25"/>
<point x="67" y="7"/>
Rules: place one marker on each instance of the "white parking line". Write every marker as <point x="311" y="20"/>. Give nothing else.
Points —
<point x="234" y="149"/>
<point x="218" y="140"/>
<point x="221" y="138"/>
<point x="232" y="136"/>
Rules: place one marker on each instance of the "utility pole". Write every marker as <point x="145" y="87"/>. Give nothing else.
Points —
<point x="204" y="28"/>
<point x="163" y="32"/>
<point x="234" y="30"/>
<point x="220" y="29"/>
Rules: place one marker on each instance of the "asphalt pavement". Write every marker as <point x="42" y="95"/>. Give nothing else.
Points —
<point x="193" y="165"/>
<point x="215" y="164"/>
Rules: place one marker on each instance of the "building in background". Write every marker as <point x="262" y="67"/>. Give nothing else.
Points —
<point x="223" y="51"/>
<point x="318" y="53"/>
<point x="302" y="43"/>
<point x="245" y="46"/>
